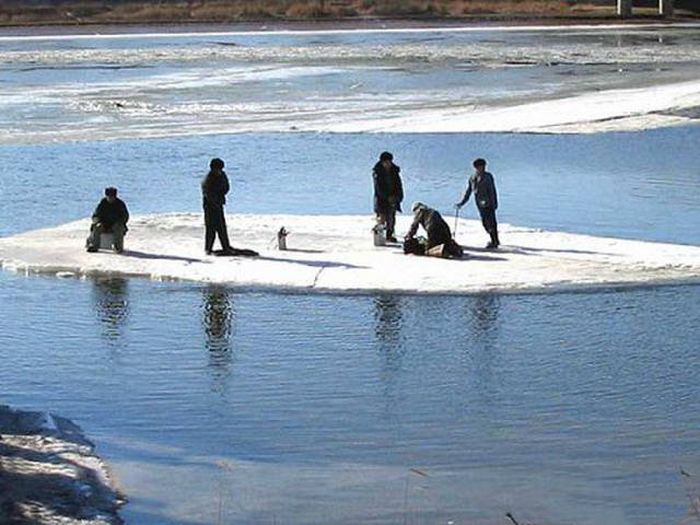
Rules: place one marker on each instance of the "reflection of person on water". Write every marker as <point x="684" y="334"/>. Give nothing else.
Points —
<point x="217" y="318"/>
<point x="215" y="186"/>
<point x="111" y="304"/>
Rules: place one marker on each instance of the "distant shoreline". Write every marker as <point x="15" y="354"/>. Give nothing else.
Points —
<point x="323" y="13"/>
<point x="346" y="24"/>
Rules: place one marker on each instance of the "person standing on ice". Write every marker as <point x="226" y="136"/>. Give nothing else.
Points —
<point x="388" y="193"/>
<point x="215" y="186"/>
<point x="110" y="216"/>
<point x="482" y="185"/>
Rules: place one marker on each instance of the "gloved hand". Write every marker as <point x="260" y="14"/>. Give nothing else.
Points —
<point x="458" y="206"/>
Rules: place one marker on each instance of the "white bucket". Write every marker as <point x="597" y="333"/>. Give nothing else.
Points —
<point x="106" y="241"/>
<point x="379" y="232"/>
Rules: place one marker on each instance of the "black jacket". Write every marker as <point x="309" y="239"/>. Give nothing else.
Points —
<point x="484" y="190"/>
<point x="434" y="225"/>
<point x="215" y="186"/>
<point x="388" y="190"/>
<point x="110" y="213"/>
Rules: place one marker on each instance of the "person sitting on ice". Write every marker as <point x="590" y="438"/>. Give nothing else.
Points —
<point x="110" y="216"/>
<point x="439" y="243"/>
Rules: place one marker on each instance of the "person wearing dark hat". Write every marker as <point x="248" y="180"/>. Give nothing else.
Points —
<point x="388" y="192"/>
<point x="432" y="222"/>
<point x="110" y="216"/>
<point x="215" y="186"/>
<point x="483" y="187"/>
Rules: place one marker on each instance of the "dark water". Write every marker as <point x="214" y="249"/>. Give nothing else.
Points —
<point x="220" y="407"/>
<point x="643" y="185"/>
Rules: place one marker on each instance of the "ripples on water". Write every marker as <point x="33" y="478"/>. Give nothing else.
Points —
<point x="295" y="408"/>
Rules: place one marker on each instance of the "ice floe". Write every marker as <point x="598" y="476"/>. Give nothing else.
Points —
<point x="336" y="254"/>
<point x="610" y="110"/>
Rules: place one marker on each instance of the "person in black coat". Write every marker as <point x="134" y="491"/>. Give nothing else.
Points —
<point x="388" y="192"/>
<point x="483" y="187"/>
<point x="215" y="186"/>
<point x="110" y="216"/>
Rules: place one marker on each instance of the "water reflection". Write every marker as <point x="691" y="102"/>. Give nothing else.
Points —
<point x="388" y="323"/>
<point x="483" y="322"/>
<point x="388" y="319"/>
<point x="218" y="321"/>
<point x="110" y="295"/>
<point x="483" y="315"/>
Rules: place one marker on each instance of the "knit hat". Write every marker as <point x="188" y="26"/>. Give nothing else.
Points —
<point x="417" y="206"/>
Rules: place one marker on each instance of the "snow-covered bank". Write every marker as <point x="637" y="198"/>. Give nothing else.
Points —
<point x="611" y="110"/>
<point x="49" y="473"/>
<point x="336" y="254"/>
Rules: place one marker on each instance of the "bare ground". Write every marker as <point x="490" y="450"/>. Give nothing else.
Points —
<point x="76" y="12"/>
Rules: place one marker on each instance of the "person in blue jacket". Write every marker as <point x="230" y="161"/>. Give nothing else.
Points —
<point x="482" y="185"/>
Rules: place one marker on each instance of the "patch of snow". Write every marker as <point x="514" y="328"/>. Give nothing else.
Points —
<point x="49" y="423"/>
<point x="609" y="110"/>
<point x="336" y="254"/>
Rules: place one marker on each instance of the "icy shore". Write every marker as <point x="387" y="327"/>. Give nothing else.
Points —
<point x="49" y="473"/>
<point x="336" y="254"/>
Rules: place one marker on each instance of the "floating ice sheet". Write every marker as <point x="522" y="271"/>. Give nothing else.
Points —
<point x="336" y="254"/>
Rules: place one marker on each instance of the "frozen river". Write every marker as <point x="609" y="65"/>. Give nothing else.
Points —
<point x="221" y="407"/>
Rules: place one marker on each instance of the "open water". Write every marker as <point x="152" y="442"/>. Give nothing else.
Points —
<point x="221" y="407"/>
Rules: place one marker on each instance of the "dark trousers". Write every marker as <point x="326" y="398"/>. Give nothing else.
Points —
<point x="215" y="224"/>
<point x="388" y="217"/>
<point x="117" y="230"/>
<point x="488" y="219"/>
<point x="438" y="236"/>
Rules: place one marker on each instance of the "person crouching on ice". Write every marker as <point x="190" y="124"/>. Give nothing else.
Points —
<point x="388" y="192"/>
<point x="215" y="186"/>
<point x="483" y="187"/>
<point x="110" y="216"/>
<point x="438" y="231"/>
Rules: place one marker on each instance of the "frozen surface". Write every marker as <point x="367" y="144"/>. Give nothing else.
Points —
<point x="527" y="79"/>
<point x="611" y="110"/>
<point x="335" y="253"/>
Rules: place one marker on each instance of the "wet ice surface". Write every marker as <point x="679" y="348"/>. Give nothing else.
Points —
<point x="335" y="253"/>
<point x="163" y="85"/>
<point x="559" y="408"/>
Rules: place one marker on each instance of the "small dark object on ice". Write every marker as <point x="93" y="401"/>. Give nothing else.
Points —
<point x="511" y="518"/>
<point x="233" y="252"/>
<point x="516" y="522"/>
<point x="413" y="246"/>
